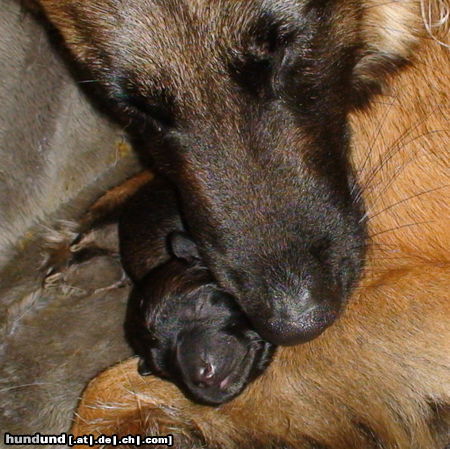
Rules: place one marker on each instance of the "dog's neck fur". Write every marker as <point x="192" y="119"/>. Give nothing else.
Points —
<point x="400" y="156"/>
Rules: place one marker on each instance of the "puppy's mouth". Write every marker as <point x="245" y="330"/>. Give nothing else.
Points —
<point x="225" y="382"/>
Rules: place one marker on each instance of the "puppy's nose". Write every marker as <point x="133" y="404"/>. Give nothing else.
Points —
<point x="205" y="375"/>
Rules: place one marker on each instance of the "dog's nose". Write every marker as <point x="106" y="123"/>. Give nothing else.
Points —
<point x="295" y="319"/>
<point x="306" y="327"/>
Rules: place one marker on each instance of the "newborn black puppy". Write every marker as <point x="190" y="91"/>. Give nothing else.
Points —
<point x="182" y="325"/>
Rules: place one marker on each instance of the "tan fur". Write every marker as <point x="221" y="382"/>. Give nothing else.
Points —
<point x="392" y="27"/>
<point x="384" y="367"/>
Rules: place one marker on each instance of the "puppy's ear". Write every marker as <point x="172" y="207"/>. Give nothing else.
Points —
<point x="183" y="247"/>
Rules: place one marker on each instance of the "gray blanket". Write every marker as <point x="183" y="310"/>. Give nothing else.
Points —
<point x="57" y="155"/>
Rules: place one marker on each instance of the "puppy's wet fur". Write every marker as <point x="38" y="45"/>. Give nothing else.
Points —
<point x="182" y="325"/>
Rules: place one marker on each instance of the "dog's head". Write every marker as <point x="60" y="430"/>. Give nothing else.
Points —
<point x="187" y="330"/>
<point x="244" y="105"/>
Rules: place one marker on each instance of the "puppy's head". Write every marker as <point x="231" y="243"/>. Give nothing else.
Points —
<point x="244" y="107"/>
<point x="188" y="331"/>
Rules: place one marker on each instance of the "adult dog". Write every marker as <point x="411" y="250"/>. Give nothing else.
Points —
<point x="380" y="376"/>
<point x="244" y="106"/>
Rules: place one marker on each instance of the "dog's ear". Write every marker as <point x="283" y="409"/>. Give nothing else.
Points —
<point x="183" y="247"/>
<point x="389" y="32"/>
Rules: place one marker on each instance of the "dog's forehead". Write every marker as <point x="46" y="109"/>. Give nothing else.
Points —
<point x="179" y="48"/>
<point x="157" y="36"/>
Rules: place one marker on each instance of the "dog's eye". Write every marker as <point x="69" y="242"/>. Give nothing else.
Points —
<point x="251" y="73"/>
<point x="151" y="109"/>
<point x="155" y="107"/>
<point x="262" y="50"/>
<point x="268" y="35"/>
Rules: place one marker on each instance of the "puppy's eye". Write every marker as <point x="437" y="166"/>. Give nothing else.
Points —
<point x="151" y="340"/>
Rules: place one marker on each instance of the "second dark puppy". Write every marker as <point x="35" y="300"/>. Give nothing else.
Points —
<point x="180" y="322"/>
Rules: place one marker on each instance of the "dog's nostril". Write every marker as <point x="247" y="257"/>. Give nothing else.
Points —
<point x="207" y="371"/>
<point x="205" y="375"/>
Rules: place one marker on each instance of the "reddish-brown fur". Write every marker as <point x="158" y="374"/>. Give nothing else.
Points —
<point x="112" y="201"/>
